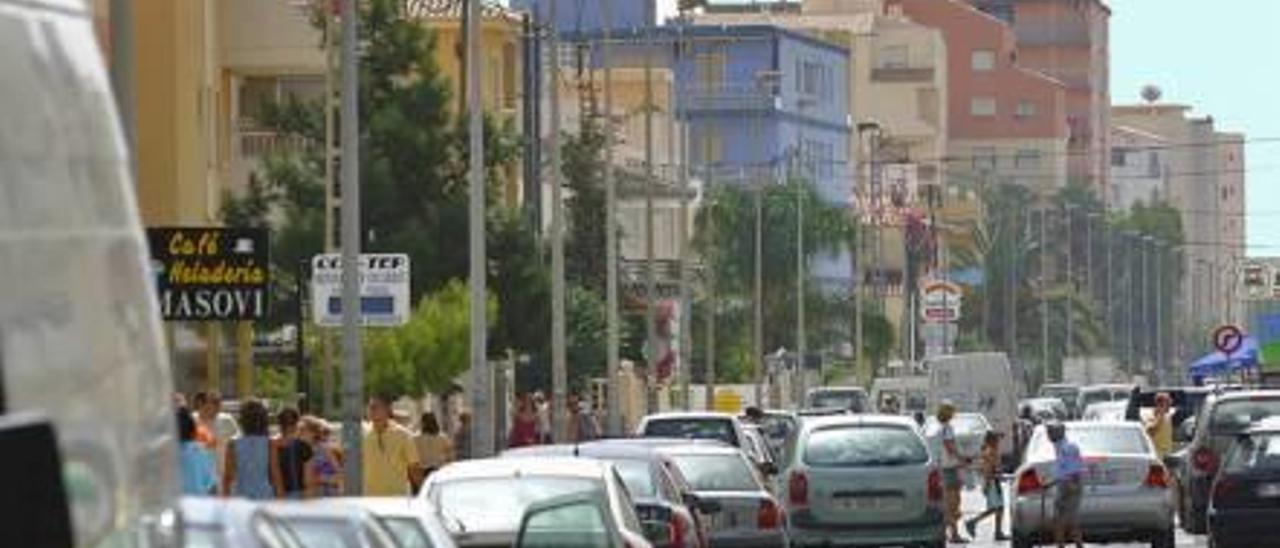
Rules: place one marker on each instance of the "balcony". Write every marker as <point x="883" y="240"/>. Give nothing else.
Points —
<point x="257" y="144"/>
<point x="729" y="97"/>
<point x="894" y="74"/>
<point x="1058" y="33"/>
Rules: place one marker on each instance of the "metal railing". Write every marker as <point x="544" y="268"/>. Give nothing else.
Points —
<point x="728" y="97"/>
<point x="257" y="143"/>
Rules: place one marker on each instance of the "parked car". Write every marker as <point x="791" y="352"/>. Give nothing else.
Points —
<point x="1046" y="409"/>
<point x="750" y="516"/>
<point x="210" y="522"/>
<point x="1127" y="496"/>
<point x="1186" y="402"/>
<point x="693" y="425"/>
<point x="1102" y="392"/>
<point x="850" y="398"/>
<point x="333" y="524"/>
<point x="1066" y="393"/>
<point x="1244" y="504"/>
<point x="863" y="480"/>
<point x="669" y="511"/>
<point x="1105" y="411"/>
<point x="758" y="449"/>
<point x="575" y="520"/>
<point x="1224" y="417"/>
<point x="413" y="523"/>
<point x="481" y="501"/>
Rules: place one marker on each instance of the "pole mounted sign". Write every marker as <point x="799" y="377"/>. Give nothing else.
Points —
<point x="212" y="274"/>
<point x="940" y="301"/>
<point x="384" y="289"/>
<point x="1228" y="338"/>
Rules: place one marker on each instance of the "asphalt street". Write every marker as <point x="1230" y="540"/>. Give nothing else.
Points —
<point x="973" y="504"/>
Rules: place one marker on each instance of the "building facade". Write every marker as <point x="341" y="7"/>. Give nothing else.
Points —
<point x="1139" y="168"/>
<point x="1069" y="40"/>
<point x="1206" y="183"/>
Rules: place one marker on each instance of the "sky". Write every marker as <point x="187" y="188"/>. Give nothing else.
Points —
<point x="1219" y="57"/>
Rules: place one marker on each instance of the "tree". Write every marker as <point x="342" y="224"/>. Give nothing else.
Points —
<point x="583" y="167"/>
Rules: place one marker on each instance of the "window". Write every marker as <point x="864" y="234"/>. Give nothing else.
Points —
<point x="1026" y="159"/>
<point x="983" y="60"/>
<point x="984" y="158"/>
<point x="710" y="70"/>
<point x="864" y="446"/>
<point x="710" y="147"/>
<point x="1026" y="109"/>
<point x="717" y="472"/>
<point x="1118" y="156"/>
<point x="891" y="57"/>
<point x="814" y="79"/>
<point x="982" y="106"/>
<point x="1153" y="165"/>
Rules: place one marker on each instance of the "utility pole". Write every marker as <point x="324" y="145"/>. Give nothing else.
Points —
<point x="872" y="129"/>
<point x="353" y="361"/>
<point x="1069" y="210"/>
<point x="613" y="422"/>
<point x="650" y="273"/>
<point x="330" y="197"/>
<point x="710" y="374"/>
<point x="1144" y="253"/>
<point x="801" y="189"/>
<point x="1130" y="291"/>
<point x="559" y="370"/>
<point x="1159" y="268"/>
<point x="482" y="435"/>
<point x="686" y="296"/>
<point x="1044" y="301"/>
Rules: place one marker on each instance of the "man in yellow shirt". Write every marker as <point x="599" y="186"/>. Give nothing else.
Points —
<point x="390" y="457"/>
<point x="1160" y="426"/>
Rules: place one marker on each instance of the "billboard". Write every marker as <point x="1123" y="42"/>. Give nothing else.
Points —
<point x="211" y="274"/>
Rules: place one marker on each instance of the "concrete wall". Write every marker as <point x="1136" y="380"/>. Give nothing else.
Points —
<point x="1139" y="168"/>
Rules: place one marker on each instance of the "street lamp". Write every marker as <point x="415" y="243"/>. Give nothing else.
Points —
<point x="874" y="131"/>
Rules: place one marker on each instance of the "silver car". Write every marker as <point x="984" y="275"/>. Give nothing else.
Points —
<point x="863" y="480"/>
<point x="1126" y="495"/>
<point x="414" y="523"/>
<point x="210" y="522"/>
<point x="749" y="515"/>
<point x="332" y="524"/>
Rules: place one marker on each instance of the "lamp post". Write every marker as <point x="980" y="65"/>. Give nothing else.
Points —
<point x="873" y="130"/>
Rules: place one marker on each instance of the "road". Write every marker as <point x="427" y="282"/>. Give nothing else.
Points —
<point x="973" y="503"/>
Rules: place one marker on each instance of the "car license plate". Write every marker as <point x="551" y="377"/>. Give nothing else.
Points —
<point x="1100" y="476"/>
<point x="1269" y="490"/>
<point x="869" y="503"/>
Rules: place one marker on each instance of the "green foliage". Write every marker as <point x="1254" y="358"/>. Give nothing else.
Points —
<point x="583" y="166"/>
<point x="275" y="383"/>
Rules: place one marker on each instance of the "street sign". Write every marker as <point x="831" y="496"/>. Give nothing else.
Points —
<point x="384" y="289"/>
<point x="212" y="274"/>
<point x="1257" y="280"/>
<point x="940" y="301"/>
<point x="1228" y="338"/>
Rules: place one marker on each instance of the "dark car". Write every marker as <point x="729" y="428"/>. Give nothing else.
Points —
<point x="673" y="517"/>
<point x="1244" y="505"/>
<point x="1223" y="418"/>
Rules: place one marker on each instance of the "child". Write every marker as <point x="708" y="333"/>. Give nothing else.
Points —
<point x="991" y="487"/>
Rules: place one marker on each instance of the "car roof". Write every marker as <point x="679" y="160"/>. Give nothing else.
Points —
<point x="1113" y="386"/>
<point x="388" y="506"/>
<point x="545" y="466"/>
<point x="675" y="415"/>
<point x="215" y="509"/>
<point x="601" y="449"/>
<point x="701" y="450"/>
<point x="848" y="388"/>
<point x="1269" y="425"/>
<point x="320" y="508"/>
<point x="859" y="420"/>
<point x="1245" y="395"/>
<point x="657" y="441"/>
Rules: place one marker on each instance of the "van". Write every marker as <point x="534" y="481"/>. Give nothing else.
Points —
<point x="978" y="382"/>
<point x="81" y="352"/>
<point x="911" y="393"/>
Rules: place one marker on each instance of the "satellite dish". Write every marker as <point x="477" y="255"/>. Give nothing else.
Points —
<point x="1151" y="93"/>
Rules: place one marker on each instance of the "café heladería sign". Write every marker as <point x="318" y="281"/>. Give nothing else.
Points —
<point x="211" y="273"/>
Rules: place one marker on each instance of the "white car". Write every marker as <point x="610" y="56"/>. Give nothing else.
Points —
<point x="696" y="425"/>
<point x="750" y="516"/>
<point x="1126" y="497"/>
<point x="481" y="502"/>
<point x="413" y="522"/>
<point x="1105" y="411"/>
<point x="332" y="524"/>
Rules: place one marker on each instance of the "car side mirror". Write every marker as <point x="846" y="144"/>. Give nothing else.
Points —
<point x="34" y="497"/>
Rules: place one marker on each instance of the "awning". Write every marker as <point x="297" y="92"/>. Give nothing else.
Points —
<point x="1217" y="363"/>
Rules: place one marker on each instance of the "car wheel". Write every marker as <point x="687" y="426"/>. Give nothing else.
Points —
<point x="1164" y="540"/>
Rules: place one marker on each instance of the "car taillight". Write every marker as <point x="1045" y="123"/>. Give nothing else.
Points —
<point x="769" y="516"/>
<point x="1029" y="482"/>
<point x="1156" y="477"/>
<point x="676" y="531"/>
<point x="935" y="486"/>
<point x="798" y="488"/>
<point x="1204" y="461"/>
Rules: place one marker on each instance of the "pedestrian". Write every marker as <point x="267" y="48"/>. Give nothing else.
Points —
<point x="434" y="448"/>
<point x="1159" y="426"/>
<point x="953" y="464"/>
<point x="543" y="407"/>
<point x="462" y="436"/>
<point x="195" y="461"/>
<point x="918" y="417"/>
<point x="754" y="415"/>
<point x="391" y="465"/>
<point x="524" y="423"/>
<point x="250" y="461"/>
<point x="582" y="423"/>
<point x="1068" y="478"/>
<point x="992" y="489"/>
<point x="291" y="456"/>
<point x="214" y="428"/>
<point x="324" y="469"/>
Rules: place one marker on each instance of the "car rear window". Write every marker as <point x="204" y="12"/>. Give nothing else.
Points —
<point x="864" y="446"/>
<point x="719" y="472"/>
<point x="695" y="429"/>
<point x="1096" y="440"/>
<point x="1259" y="452"/>
<point x="637" y="476"/>
<point x="1235" y="416"/>
<point x="844" y="399"/>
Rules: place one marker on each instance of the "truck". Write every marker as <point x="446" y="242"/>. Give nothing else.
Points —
<point x="978" y="382"/>
<point x="912" y="393"/>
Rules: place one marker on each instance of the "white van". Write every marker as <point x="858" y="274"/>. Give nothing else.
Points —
<point x="978" y="382"/>
<point x="83" y="378"/>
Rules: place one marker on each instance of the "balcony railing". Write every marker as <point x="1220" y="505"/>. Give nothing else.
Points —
<point x="728" y="97"/>
<point x="902" y="74"/>
<point x="256" y="144"/>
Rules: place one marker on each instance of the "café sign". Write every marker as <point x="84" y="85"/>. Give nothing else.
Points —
<point x="211" y="273"/>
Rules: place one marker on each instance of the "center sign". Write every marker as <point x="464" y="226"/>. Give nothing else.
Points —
<point x="384" y="289"/>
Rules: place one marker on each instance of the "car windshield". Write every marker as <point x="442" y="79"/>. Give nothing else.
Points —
<point x="496" y="504"/>
<point x="1257" y="452"/>
<point x="717" y="472"/>
<point x="323" y="532"/>
<point x="1095" y="440"/>
<point x="692" y="428"/>
<point x="854" y="400"/>
<point x="637" y="475"/>
<point x="1234" y="416"/>
<point x="777" y="427"/>
<point x="408" y="531"/>
<point x="1094" y="396"/>
<point x="864" y="446"/>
